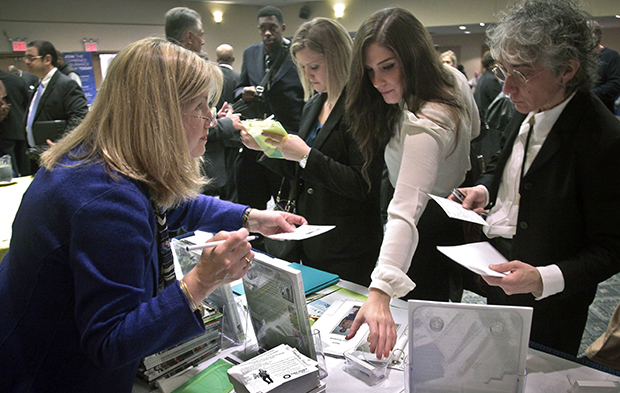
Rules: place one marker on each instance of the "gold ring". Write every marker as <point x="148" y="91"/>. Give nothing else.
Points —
<point x="284" y="138"/>
<point x="249" y="261"/>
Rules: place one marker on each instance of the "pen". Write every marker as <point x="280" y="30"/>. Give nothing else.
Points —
<point x="216" y="243"/>
<point x="458" y="195"/>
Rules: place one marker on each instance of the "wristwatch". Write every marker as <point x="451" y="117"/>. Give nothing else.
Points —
<point x="304" y="160"/>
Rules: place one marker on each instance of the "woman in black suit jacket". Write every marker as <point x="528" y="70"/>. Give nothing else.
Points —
<point x="324" y="164"/>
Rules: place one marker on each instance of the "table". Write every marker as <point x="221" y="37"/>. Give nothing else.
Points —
<point x="546" y="373"/>
<point x="10" y="198"/>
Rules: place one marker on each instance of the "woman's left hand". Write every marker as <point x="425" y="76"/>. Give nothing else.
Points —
<point x="269" y="222"/>
<point x="293" y="148"/>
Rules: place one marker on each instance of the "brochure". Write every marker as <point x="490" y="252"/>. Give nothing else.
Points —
<point x="256" y="127"/>
<point x="277" y="304"/>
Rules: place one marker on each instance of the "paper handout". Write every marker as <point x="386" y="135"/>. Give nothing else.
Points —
<point x="455" y="210"/>
<point x="256" y="127"/>
<point x="476" y="257"/>
<point x="303" y="232"/>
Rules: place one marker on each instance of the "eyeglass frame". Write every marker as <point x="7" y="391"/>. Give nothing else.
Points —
<point x="523" y="81"/>
<point x="31" y="58"/>
<point x="212" y="119"/>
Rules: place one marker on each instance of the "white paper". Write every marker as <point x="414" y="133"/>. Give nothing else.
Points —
<point x="303" y="232"/>
<point x="476" y="257"/>
<point x="280" y="364"/>
<point x="456" y="210"/>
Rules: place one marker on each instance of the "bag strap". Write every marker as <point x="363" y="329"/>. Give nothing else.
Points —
<point x="277" y="63"/>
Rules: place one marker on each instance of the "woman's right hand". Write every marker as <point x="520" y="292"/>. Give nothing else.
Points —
<point x="248" y="141"/>
<point x="221" y="264"/>
<point x="376" y="313"/>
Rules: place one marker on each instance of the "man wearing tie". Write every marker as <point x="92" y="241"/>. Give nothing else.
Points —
<point x="553" y="191"/>
<point x="57" y="97"/>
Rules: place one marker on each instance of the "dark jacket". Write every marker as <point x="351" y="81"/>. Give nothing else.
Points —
<point x="332" y="191"/>
<point x="568" y="214"/>
<point x="284" y="94"/>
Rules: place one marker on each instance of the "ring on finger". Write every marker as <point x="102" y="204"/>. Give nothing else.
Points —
<point x="284" y="138"/>
<point x="249" y="261"/>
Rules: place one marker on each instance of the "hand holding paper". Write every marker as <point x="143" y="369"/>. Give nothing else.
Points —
<point x="303" y="232"/>
<point x="455" y="210"/>
<point x="476" y="257"/>
<point x="256" y="127"/>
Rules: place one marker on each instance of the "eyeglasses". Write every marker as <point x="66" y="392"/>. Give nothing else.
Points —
<point x="30" y="58"/>
<point x="211" y="118"/>
<point x="520" y="79"/>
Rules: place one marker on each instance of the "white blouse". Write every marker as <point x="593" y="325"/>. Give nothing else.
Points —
<point x="427" y="155"/>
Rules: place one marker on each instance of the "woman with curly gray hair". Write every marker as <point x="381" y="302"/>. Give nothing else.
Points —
<point x="552" y="192"/>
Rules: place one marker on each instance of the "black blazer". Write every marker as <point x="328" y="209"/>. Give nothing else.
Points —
<point x="285" y="94"/>
<point x="18" y="96"/>
<point x="63" y="99"/>
<point x="231" y="80"/>
<point x="332" y="191"/>
<point x="569" y="211"/>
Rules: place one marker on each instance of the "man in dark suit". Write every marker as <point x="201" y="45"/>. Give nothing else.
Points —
<point x="57" y="97"/>
<point x="553" y="191"/>
<point x="229" y="145"/>
<point x="31" y="80"/>
<point x="225" y="58"/>
<point x="184" y="27"/>
<point x="12" y="135"/>
<point x="283" y="94"/>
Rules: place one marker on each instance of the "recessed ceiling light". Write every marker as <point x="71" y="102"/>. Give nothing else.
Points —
<point x="467" y="32"/>
<point x="482" y="23"/>
<point x="462" y="27"/>
<point x="618" y="16"/>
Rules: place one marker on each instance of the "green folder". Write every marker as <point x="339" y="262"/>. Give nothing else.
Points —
<point x="213" y="379"/>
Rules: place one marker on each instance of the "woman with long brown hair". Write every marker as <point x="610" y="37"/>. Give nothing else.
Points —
<point x="401" y="94"/>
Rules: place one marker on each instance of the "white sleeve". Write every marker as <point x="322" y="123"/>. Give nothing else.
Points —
<point x="553" y="280"/>
<point x="424" y="143"/>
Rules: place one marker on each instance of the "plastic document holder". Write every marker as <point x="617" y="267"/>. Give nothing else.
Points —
<point x="365" y="367"/>
<point x="467" y="348"/>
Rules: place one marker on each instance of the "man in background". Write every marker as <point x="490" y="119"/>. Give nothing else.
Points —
<point x="184" y="27"/>
<point x="230" y="146"/>
<point x="284" y="96"/>
<point x="608" y="87"/>
<point x="12" y="135"/>
<point x="225" y="58"/>
<point x="57" y="97"/>
<point x="66" y="69"/>
<point x="31" y="80"/>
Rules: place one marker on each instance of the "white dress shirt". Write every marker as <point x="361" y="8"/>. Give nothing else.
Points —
<point x="502" y="218"/>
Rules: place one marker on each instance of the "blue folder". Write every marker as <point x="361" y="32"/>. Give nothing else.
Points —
<point x="314" y="279"/>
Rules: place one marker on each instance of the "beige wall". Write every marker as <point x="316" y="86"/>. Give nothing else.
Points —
<point x="116" y="23"/>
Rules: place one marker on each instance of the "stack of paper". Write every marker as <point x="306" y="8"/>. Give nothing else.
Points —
<point x="280" y="370"/>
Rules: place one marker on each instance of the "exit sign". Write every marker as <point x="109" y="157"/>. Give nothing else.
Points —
<point x="90" y="46"/>
<point x="19" y="46"/>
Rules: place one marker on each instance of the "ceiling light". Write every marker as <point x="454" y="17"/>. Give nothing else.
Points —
<point x="463" y="27"/>
<point x="467" y="32"/>
<point x="217" y="16"/>
<point x="482" y="24"/>
<point x="339" y="10"/>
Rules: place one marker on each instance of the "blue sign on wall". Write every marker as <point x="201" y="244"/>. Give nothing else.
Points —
<point x="83" y="64"/>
